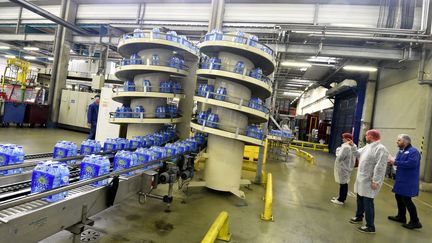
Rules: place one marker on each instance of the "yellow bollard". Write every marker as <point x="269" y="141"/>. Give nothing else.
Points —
<point x="219" y="229"/>
<point x="268" y="200"/>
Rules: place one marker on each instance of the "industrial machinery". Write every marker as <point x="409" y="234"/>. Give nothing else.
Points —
<point x="158" y="70"/>
<point x="26" y="217"/>
<point x="236" y="67"/>
<point x="16" y="73"/>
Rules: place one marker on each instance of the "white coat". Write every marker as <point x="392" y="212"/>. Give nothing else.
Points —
<point x="344" y="163"/>
<point x="372" y="168"/>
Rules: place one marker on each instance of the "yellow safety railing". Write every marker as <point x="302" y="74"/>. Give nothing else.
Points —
<point x="309" y="145"/>
<point x="219" y="229"/>
<point x="268" y="200"/>
<point x="305" y="155"/>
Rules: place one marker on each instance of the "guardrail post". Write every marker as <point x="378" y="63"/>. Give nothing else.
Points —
<point x="268" y="200"/>
<point x="219" y="230"/>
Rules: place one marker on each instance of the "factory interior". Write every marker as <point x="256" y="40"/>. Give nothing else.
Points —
<point x="243" y="121"/>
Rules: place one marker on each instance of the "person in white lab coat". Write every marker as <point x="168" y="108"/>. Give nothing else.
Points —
<point x="344" y="164"/>
<point x="370" y="177"/>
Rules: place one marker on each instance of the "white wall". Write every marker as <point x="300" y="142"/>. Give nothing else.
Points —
<point x="400" y="105"/>
<point x="313" y="101"/>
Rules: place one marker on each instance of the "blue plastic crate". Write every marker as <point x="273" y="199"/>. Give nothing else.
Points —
<point x="14" y="112"/>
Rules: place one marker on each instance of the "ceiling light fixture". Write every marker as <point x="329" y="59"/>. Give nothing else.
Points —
<point x="4" y="47"/>
<point x="327" y="60"/>
<point x="31" y="48"/>
<point x="291" y="93"/>
<point x="10" y="56"/>
<point x="296" y="64"/>
<point x="360" y="68"/>
<point x="293" y="85"/>
<point x="30" y="57"/>
<point x="51" y="58"/>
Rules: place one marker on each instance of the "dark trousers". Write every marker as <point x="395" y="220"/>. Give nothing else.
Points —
<point x="404" y="203"/>
<point x="92" y="133"/>
<point x="343" y="192"/>
<point x="365" y="206"/>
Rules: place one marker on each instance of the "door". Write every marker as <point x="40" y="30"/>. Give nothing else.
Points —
<point x="343" y="119"/>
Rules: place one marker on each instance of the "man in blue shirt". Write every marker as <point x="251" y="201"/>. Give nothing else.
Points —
<point x="92" y="116"/>
<point x="406" y="184"/>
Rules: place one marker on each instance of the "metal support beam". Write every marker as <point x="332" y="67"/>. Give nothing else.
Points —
<point x="42" y="12"/>
<point x="343" y="51"/>
<point x="27" y="37"/>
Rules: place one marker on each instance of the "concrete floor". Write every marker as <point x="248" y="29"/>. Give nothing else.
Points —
<point x="38" y="140"/>
<point x="301" y="208"/>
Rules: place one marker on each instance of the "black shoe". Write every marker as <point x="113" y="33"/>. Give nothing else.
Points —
<point x="412" y="225"/>
<point x="397" y="219"/>
<point x="365" y="229"/>
<point x="355" y="220"/>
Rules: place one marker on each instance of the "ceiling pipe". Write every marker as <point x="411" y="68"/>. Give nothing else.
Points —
<point x="371" y="38"/>
<point x="42" y="12"/>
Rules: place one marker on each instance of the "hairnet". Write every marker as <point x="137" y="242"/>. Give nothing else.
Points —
<point x="374" y="133"/>
<point x="347" y="136"/>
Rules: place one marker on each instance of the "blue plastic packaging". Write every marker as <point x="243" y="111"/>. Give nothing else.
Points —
<point x="135" y="59"/>
<point x="11" y="154"/>
<point x="129" y="85"/>
<point x="147" y="86"/>
<point x="139" y="111"/>
<point x="49" y="175"/>
<point x="212" y="120"/>
<point x="239" y="67"/>
<point x="138" y="33"/>
<point x="220" y="93"/>
<point x="90" y="147"/>
<point x="124" y="160"/>
<point x="64" y="149"/>
<point x="93" y="166"/>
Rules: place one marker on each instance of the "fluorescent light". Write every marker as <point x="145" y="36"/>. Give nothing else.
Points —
<point x="31" y="48"/>
<point x="295" y="64"/>
<point x="304" y="81"/>
<point x="291" y="93"/>
<point x="327" y="60"/>
<point x="4" y="47"/>
<point x="360" y="68"/>
<point x="293" y="85"/>
<point x="51" y="58"/>
<point x="30" y="57"/>
<point x="78" y="60"/>
<point x="10" y="56"/>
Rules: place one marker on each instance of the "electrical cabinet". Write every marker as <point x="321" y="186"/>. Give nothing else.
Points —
<point x="74" y="107"/>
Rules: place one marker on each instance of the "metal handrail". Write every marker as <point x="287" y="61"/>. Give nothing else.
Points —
<point x="230" y="68"/>
<point x="145" y="89"/>
<point x="177" y="115"/>
<point x="148" y="62"/>
<point x="238" y="39"/>
<point x="149" y="34"/>
<point x="238" y="130"/>
<point x="241" y="101"/>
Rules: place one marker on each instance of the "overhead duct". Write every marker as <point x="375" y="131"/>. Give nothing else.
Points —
<point x="343" y="86"/>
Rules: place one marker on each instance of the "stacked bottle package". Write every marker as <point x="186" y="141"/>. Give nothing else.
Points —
<point x="65" y="149"/>
<point x="90" y="147"/>
<point x="170" y="87"/>
<point x="254" y="132"/>
<point x="208" y="119"/>
<point x="257" y="104"/>
<point x="49" y="175"/>
<point x="123" y="112"/>
<point x="283" y="133"/>
<point x="11" y="154"/>
<point x="94" y="166"/>
<point x="166" y="111"/>
<point x="112" y="144"/>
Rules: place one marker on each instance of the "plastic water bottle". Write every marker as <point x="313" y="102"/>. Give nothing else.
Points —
<point x="135" y="59"/>
<point x="129" y="85"/>
<point x="215" y="63"/>
<point x="147" y="85"/>
<point x="253" y="40"/>
<point x="239" y="67"/>
<point x="202" y="116"/>
<point x="176" y="87"/>
<point x="212" y="120"/>
<point x="174" y="62"/>
<point x="156" y="33"/>
<point x="124" y="62"/>
<point x="240" y="37"/>
<point x="221" y="93"/>
<point x="171" y="36"/>
<point x="138" y="33"/>
<point x="155" y="60"/>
